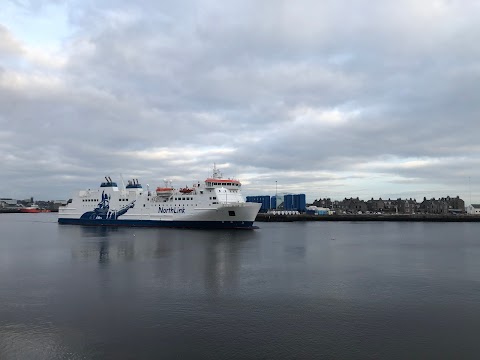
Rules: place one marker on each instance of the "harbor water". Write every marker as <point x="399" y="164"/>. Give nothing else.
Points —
<point x="305" y="290"/>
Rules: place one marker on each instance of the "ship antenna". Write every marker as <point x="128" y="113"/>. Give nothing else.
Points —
<point x="216" y="173"/>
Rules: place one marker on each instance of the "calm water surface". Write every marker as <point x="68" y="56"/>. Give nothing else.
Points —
<point x="299" y="290"/>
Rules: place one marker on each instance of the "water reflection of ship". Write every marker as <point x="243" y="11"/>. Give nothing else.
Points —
<point x="101" y="243"/>
<point x="97" y="232"/>
<point x="103" y="252"/>
<point x="210" y="258"/>
<point x="113" y="244"/>
<point x="222" y="261"/>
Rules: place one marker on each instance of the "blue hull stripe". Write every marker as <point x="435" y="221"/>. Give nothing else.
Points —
<point x="158" y="223"/>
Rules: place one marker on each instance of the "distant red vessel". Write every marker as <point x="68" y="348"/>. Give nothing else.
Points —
<point x="33" y="209"/>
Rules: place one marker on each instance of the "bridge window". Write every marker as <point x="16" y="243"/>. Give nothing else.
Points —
<point x="231" y="213"/>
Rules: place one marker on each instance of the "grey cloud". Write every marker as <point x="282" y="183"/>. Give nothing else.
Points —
<point x="190" y="76"/>
<point x="10" y="48"/>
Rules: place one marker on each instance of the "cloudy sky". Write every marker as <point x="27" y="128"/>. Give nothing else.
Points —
<point x="330" y="98"/>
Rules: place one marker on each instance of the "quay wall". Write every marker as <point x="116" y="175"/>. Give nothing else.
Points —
<point x="367" y="217"/>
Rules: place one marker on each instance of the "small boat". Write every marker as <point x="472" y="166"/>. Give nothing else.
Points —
<point x="34" y="208"/>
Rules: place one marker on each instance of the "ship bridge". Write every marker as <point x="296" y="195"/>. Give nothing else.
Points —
<point x="226" y="196"/>
<point x="216" y="181"/>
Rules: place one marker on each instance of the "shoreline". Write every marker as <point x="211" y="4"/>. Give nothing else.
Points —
<point x="367" y="217"/>
<point x="17" y="211"/>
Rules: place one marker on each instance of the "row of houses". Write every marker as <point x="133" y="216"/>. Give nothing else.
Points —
<point x="443" y="205"/>
<point x="296" y="202"/>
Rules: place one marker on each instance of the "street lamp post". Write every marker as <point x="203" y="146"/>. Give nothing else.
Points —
<point x="276" y="196"/>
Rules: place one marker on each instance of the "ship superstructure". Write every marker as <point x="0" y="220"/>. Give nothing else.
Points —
<point x="215" y="203"/>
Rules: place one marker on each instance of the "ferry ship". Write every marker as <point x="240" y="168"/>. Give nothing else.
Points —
<point x="215" y="203"/>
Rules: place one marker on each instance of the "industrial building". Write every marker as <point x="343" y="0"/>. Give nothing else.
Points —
<point x="295" y="202"/>
<point x="291" y="202"/>
<point x="262" y="199"/>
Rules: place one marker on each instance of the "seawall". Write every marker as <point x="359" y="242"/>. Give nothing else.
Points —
<point x="366" y="217"/>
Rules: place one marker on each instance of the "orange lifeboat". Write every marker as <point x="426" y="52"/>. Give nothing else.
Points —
<point x="186" y="190"/>
<point x="164" y="190"/>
